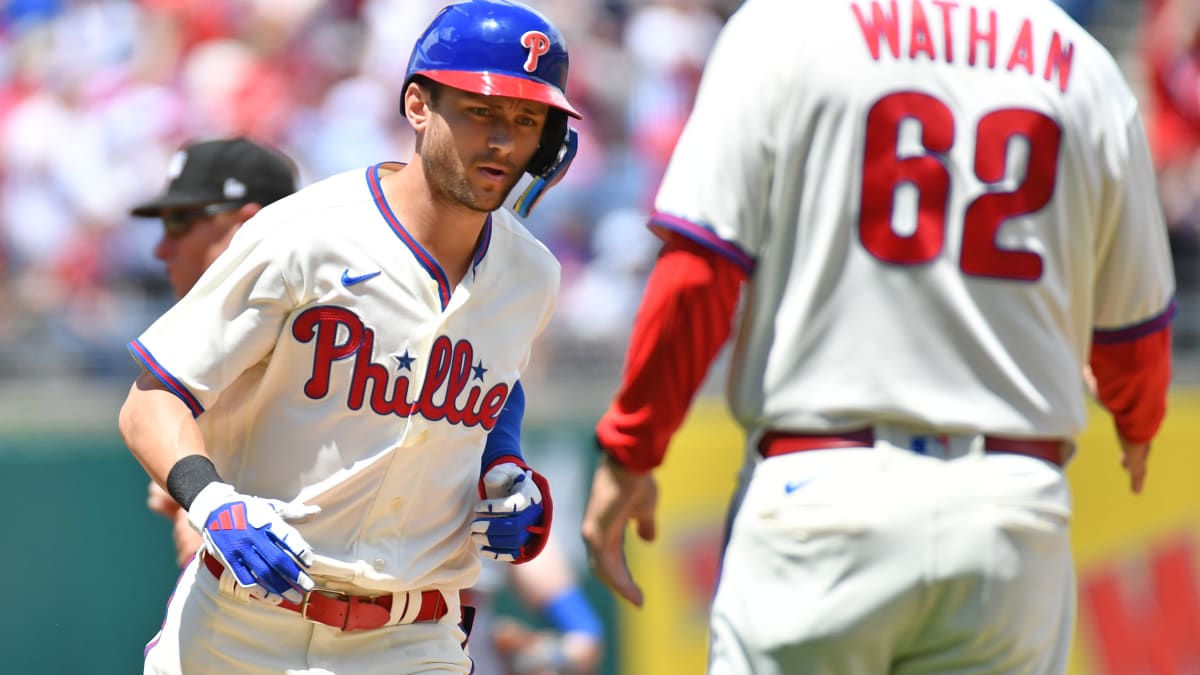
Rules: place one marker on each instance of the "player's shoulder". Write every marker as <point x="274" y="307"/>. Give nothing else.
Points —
<point x="519" y="246"/>
<point x="1059" y="41"/>
<point x="311" y="208"/>
<point x="1084" y="69"/>
<point x="345" y="189"/>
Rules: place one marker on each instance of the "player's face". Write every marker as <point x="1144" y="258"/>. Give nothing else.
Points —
<point x="476" y="147"/>
<point x="192" y="239"/>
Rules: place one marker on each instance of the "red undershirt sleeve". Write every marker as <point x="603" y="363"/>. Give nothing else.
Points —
<point x="1132" y="378"/>
<point x="685" y="317"/>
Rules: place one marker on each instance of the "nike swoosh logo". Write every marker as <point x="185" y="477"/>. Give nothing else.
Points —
<point x="791" y="486"/>
<point x="348" y="280"/>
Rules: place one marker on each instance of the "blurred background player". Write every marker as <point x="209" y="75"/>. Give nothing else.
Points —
<point x="548" y="588"/>
<point x="215" y="186"/>
<point x="933" y="240"/>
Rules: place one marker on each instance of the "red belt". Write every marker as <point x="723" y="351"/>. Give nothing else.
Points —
<point x="348" y="612"/>
<point x="775" y="443"/>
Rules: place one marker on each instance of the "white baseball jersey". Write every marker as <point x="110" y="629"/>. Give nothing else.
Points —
<point x="939" y="201"/>
<point x="329" y="361"/>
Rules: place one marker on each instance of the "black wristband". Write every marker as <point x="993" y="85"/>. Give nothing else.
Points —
<point x="189" y="476"/>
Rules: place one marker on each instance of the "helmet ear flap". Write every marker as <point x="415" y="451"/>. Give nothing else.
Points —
<point x="554" y="135"/>
<point x="549" y="164"/>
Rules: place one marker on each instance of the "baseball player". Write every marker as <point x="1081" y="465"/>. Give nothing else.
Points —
<point x="936" y="214"/>
<point x="337" y="401"/>
<point x="214" y="187"/>
<point x="573" y="643"/>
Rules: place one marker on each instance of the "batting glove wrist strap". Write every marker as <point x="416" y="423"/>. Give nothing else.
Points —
<point x="188" y="477"/>
<point x="513" y="521"/>
<point x="250" y="537"/>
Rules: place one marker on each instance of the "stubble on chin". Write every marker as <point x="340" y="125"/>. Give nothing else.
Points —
<point x="460" y="192"/>
<point x="447" y="179"/>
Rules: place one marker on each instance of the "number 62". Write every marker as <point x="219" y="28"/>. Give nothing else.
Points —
<point x="884" y="170"/>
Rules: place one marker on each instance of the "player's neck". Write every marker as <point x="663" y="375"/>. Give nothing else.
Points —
<point x="449" y="232"/>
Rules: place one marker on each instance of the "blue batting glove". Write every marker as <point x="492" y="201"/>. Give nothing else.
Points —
<point x="250" y="537"/>
<point x="513" y="505"/>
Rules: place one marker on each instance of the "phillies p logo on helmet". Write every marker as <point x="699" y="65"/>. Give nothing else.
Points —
<point x="537" y="43"/>
<point x="495" y="48"/>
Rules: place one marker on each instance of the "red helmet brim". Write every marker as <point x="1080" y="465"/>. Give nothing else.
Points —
<point x="498" y="84"/>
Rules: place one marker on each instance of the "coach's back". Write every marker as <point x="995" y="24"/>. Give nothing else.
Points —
<point x="952" y="208"/>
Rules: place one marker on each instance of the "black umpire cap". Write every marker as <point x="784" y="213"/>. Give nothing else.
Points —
<point x="235" y="170"/>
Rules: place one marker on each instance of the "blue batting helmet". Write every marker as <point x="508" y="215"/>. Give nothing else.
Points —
<point x="494" y="48"/>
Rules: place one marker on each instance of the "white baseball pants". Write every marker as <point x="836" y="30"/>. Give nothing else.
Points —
<point x="208" y="633"/>
<point x="868" y="561"/>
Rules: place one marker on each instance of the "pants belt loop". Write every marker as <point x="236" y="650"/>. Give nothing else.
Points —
<point x="412" y="606"/>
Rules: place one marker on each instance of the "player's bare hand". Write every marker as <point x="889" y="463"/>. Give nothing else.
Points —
<point x="187" y="540"/>
<point x="618" y="496"/>
<point x="1089" y="383"/>
<point x="158" y="501"/>
<point x="1134" y="459"/>
<point x="582" y="653"/>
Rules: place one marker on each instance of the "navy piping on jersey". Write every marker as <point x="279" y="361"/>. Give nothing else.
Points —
<point x="144" y="357"/>
<point x="427" y="261"/>
<point x="704" y="236"/>
<point x="485" y="240"/>
<point x="1110" y="336"/>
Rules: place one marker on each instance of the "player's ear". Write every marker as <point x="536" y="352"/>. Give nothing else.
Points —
<point x="417" y="108"/>
<point x="246" y="212"/>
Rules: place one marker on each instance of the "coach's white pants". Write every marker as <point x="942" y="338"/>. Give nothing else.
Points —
<point x="207" y="633"/>
<point x="870" y="561"/>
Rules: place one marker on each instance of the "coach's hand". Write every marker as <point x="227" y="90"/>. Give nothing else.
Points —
<point x="250" y="537"/>
<point x="1134" y="458"/>
<point x="618" y="496"/>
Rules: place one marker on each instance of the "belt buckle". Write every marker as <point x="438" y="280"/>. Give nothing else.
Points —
<point x="304" y="604"/>
<point x="932" y="445"/>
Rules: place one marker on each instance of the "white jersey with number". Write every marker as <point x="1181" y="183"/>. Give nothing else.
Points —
<point x="329" y="361"/>
<point x="935" y="219"/>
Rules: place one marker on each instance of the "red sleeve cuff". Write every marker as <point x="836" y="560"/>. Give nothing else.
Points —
<point x="1132" y="378"/>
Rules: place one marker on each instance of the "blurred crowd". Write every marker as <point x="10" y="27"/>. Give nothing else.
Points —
<point x="95" y="95"/>
<point x="1169" y="51"/>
